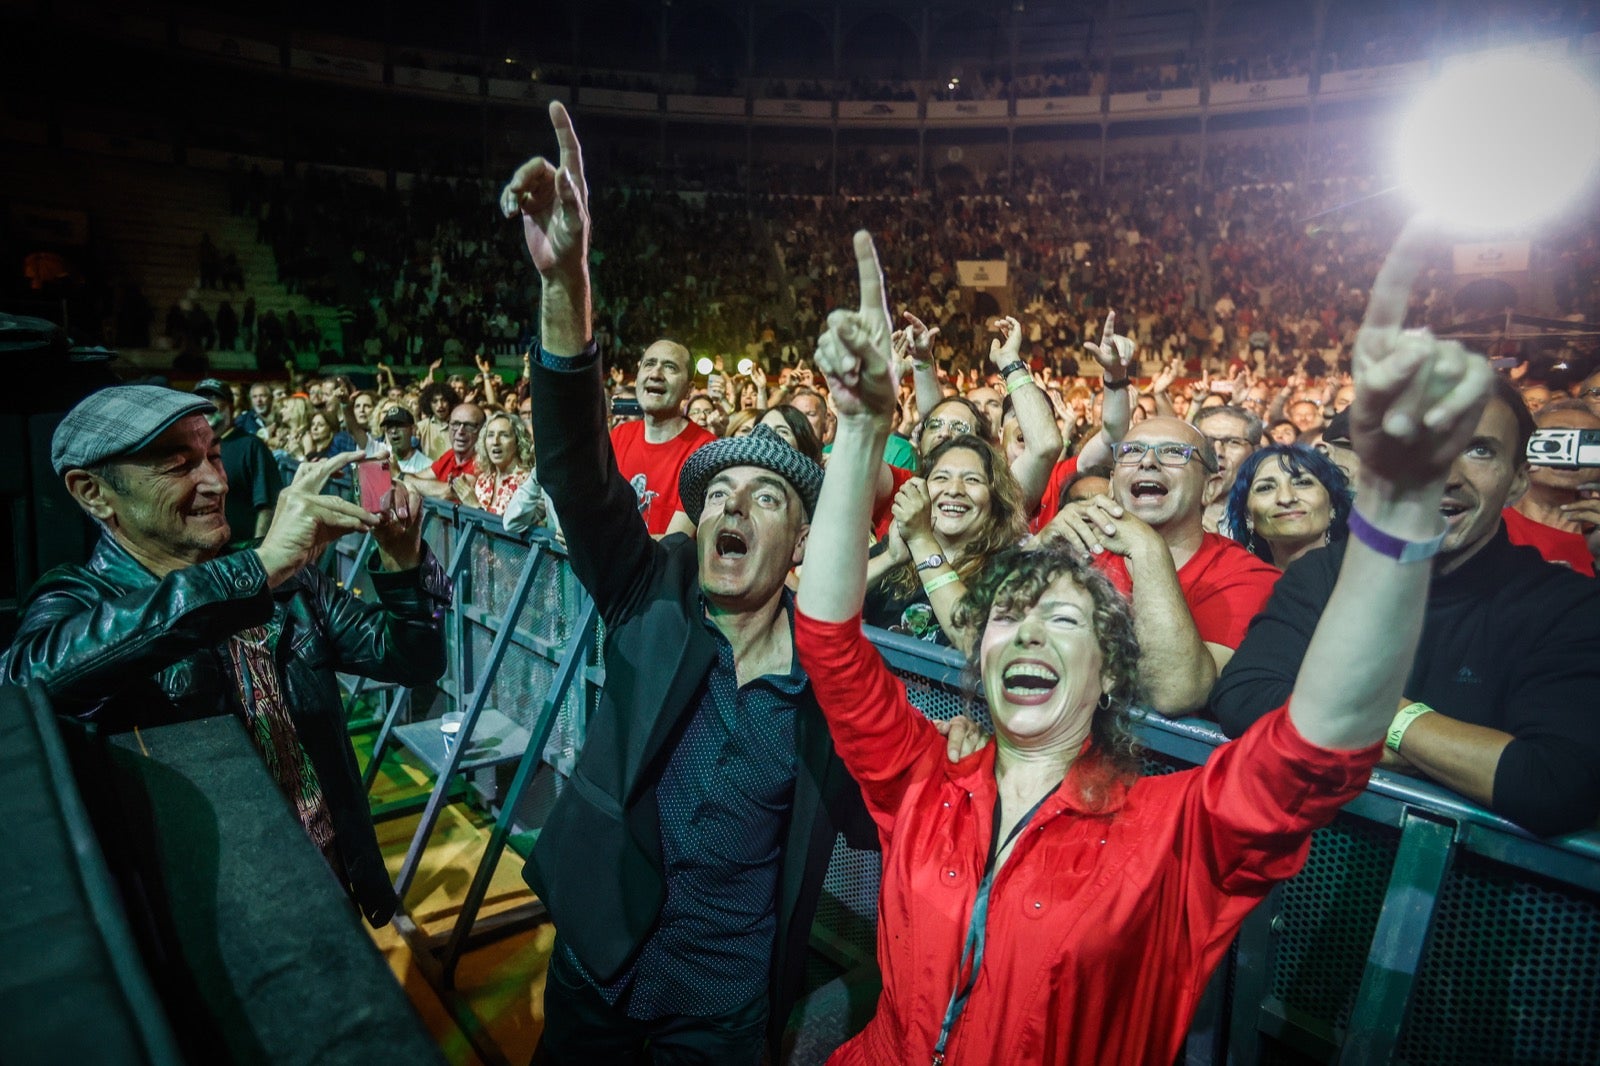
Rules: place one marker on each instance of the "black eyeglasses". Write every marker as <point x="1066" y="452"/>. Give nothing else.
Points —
<point x="467" y="425"/>
<point x="1132" y="452"/>
<point x="1230" y="442"/>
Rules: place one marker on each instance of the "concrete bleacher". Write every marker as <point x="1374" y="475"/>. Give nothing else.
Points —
<point x="148" y="218"/>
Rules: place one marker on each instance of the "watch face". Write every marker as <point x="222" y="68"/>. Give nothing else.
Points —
<point x="931" y="561"/>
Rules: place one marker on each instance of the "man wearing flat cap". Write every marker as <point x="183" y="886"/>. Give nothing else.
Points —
<point x="162" y="625"/>
<point x="683" y="863"/>
<point x="253" y="478"/>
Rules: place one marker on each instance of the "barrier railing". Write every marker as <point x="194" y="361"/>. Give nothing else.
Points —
<point x="1423" y="928"/>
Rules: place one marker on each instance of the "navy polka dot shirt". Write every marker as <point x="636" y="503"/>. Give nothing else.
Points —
<point x="723" y="803"/>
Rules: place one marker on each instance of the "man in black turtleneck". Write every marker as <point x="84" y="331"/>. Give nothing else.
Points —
<point x="1500" y="705"/>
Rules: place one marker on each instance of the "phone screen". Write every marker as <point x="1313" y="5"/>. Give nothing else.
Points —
<point x="375" y="481"/>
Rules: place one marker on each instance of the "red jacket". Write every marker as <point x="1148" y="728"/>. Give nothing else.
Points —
<point x="1105" y="923"/>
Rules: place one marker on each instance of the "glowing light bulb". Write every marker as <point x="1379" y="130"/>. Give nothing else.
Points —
<point x="1500" y="142"/>
<point x="703" y="365"/>
<point x="745" y="366"/>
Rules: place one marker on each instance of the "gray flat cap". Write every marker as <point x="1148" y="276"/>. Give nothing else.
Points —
<point x="119" y="421"/>
<point x="763" y="448"/>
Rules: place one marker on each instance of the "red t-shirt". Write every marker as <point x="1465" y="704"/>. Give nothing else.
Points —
<point x="653" y="469"/>
<point x="1223" y="584"/>
<point x="447" y="469"/>
<point x="1106" y="920"/>
<point x="883" y="512"/>
<point x="1556" y="545"/>
<point x="1050" y="502"/>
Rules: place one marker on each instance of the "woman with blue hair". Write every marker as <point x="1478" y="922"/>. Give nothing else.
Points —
<point x="1286" y="501"/>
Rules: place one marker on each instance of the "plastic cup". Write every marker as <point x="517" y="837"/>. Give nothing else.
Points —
<point x="450" y="730"/>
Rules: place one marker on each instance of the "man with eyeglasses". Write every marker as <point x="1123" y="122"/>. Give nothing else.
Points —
<point x="1193" y="592"/>
<point x="1234" y="434"/>
<point x="461" y="461"/>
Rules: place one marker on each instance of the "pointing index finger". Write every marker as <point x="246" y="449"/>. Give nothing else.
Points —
<point x="871" y="275"/>
<point x="1391" y="291"/>
<point x="567" y="138"/>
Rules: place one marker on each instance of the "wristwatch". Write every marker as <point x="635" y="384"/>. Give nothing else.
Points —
<point x="932" y="562"/>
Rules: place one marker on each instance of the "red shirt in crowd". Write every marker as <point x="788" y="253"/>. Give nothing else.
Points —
<point x="652" y="469"/>
<point x="1223" y="584"/>
<point x="1050" y="502"/>
<point x="883" y="510"/>
<point x="1107" y="919"/>
<point x="1556" y="545"/>
<point x="447" y="468"/>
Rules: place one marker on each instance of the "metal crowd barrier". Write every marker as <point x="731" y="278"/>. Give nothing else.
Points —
<point x="1423" y="929"/>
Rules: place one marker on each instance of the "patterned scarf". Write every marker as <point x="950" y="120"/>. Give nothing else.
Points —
<point x="267" y="716"/>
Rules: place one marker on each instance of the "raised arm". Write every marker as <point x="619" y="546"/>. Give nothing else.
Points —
<point x="1417" y="402"/>
<point x="924" y="371"/>
<point x="609" y="548"/>
<point x="1115" y="356"/>
<point x="877" y="733"/>
<point x="1041" y="436"/>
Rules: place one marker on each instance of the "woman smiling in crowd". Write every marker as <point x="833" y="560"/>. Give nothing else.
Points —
<point x="1287" y="500"/>
<point x="946" y="527"/>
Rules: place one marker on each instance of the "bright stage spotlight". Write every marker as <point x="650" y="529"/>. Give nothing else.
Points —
<point x="704" y="365"/>
<point x="1500" y="143"/>
<point x="745" y="366"/>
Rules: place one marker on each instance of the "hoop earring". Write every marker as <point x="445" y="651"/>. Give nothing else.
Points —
<point x="1105" y="701"/>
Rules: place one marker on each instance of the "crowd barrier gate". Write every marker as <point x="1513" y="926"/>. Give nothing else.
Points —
<point x="1422" y="930"/>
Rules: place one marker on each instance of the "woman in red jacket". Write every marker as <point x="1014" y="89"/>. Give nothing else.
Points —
<point x="1040" y="902"/>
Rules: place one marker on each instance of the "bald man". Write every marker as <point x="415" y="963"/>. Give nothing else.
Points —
<point x="652" y="450"/>
<point x="1193" y="592"/>
<point x="1560" y="513"/>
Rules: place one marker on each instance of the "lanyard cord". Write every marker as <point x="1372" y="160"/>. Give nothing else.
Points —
<point x="972" y="951"/>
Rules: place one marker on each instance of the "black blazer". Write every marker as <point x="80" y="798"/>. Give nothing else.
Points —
<point x="597" y="865"/>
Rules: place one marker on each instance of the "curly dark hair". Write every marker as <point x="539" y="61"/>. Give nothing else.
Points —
<point x="432" y="392"/>
<point x="1015" y="579"/>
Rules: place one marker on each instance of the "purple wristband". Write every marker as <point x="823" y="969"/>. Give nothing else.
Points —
<point x="1406" y="551"/>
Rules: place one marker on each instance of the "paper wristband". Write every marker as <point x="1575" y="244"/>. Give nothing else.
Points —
<point x="1406" y="551"/>
<point x="1402" y="722"/>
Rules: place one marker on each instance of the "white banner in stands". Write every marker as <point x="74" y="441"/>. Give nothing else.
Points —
<point x="877" y="110"/>
<point x="1073" y="106"/>
<point x="966" y="110"/>
<point x="1249" y="92"/>
<point x="1369" y="81"/>
<point x="333" y="66"/>
<point x="225" y="47"/>
<point x="440" y="81"/>
<point x="1155" y="100"/>
<point x="686" y="104"/>
<point x="822" y="109"/>
<point x="617" y="99"/>
<point x="532" y="91"/>
<point x="981" y="273"/>
<point x="1491" y="257"/>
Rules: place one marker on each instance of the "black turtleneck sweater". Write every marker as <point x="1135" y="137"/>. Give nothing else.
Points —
<point x="1509" y="641"/>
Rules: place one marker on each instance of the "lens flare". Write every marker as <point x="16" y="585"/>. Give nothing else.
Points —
<point x="745" y="366"/>
<point x="1500" y="143"/>
<point x="703" y="365"/>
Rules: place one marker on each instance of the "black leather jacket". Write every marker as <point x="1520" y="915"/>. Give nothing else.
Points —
<point x="118" y="648"/>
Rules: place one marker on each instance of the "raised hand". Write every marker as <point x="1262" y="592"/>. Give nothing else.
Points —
<point x="399" y="529"/>
<point x="1008" y="348"/>
<point x="1417" y="398"/>
<point x="305" y="520"/>
<point x="553" y="202"/>
<point x="856" y="354"/>
<point x="1114" y="353"/>
<point x="913" y="510"/>
<point x="920" y="335"/>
